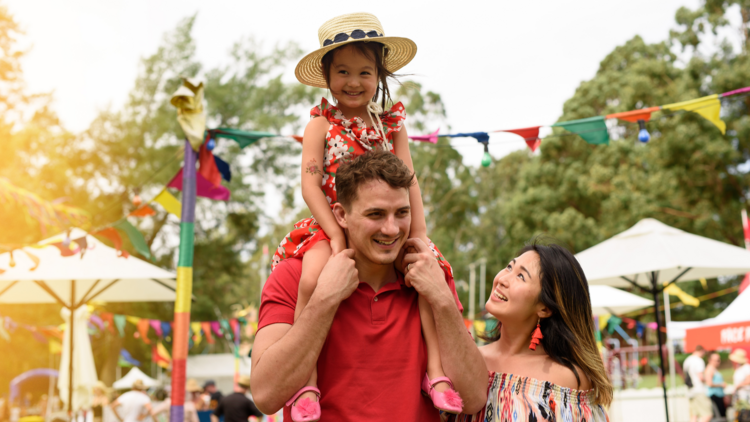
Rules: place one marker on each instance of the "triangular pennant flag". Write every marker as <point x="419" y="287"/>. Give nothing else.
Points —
<point x="204" y="188"/>
<point x="479" y="326"/>
<point x="55" y="347"/>
<point x="83" y="245"/>
<point x="206" y="326"/>
<point x="593" y="129"/>
<point x="216" y="328"/>
<point x="189" y="102"/>
<point x="126" y="359"/>
<point x="120" y="324"/>
<point x="197" y="336"/>
<point x="483" y="137"/>
<point x="109" y="321"/>
<point x="685" y="298"/>
<point x="634" y="115"/>
<point x="243" y="137"/>
<point x="208" y="166"/>
<point x="114" y="236"/>
<point x="143" y="330"/>
<point x="235" y="328"/>
<point x="603" y="320"/>
<point x="65" y="250"/>
<point x="133" y="320"/>
<point x="166" y="328"/>
<point x="467" y="323"/>
<point x="431" y="138"/>
<point x="225" y="326"/>
<point x="529" y="134"/>
<point x="33" y="258"/>
<point x="709" y="107"/>
<point x="223" y="167"/>
<point x="297" y="138"/>
<point x="136" y="238"/>
<point x="612" y="323"/>
<point x="156" y="325"/>
<point x="169" y="202"/>
<point x="143" y="211"/>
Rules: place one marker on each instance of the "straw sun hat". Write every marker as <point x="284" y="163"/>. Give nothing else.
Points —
<point x="346" y="29"/>
<point x="738" y="356"/>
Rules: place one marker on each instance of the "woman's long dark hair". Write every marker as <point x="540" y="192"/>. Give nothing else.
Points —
<point x="569" y="331"/>
<point x="373" y="50"/>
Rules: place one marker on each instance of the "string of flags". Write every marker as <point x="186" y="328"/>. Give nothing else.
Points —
<point x="594" y="131"/>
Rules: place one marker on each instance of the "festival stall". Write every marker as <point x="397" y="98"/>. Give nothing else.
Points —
<point x="72" y="269"/>
<point x="729" y="330"/>
<point x="652" y="256"/>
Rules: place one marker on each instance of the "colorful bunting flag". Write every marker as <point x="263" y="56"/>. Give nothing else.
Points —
<point x="65" y="250"/>
<point x="55" y="347"/>
<point x="634" y="115"/>
<point x="114" y="236"/>
<point x="243" y="137"/>
<point x="613" y="323"/>
<point x="204" y="188"/>
<point x="109" y="321"/>
<point x="208" y="167"/>
<point x="216" y="328"/>
<point x="120" y="324"/>
<point x="709" y="107"/>
<point x="160" y="356"/>
<point x="166" y="328"/>
<point x="224" y="169"/>
<point x="685" y="298"/>
<point x="529" y="134"/>
<point x="225" y="326"/>
<point x="593" y="129"/>
<point x="83" y="245"/>
<point x="156" y="325"/>
<point x="136" y="238"/>
<point x="126" y="360"/>
<point x="143" y="325"/>
<point x="431" y="138"/>
<point x="603" y="319"/>
<point x="143" y="211"/>
<point x="197" y="336"/>
<point x="479" y="326"/>
<point x="133" y="320"/>
<point x="206" y="326"/>
<point x="169" y="202"/>
<point x="482" y="137"/>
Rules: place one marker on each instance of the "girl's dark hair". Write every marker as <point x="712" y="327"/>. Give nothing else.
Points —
<point x="569" y="332"/>
<point x="375" y="51"/>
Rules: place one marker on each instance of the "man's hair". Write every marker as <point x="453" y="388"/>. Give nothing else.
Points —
<point x="699" y="348"/>
<point x="373" y="165"/>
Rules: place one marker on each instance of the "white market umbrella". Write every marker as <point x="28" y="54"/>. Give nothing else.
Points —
<point x="652" y="255"/>
<point x="84" y="378"/>
<point x="126" y="382"/>
<point x="609" y="300"/>
<point x="93" y="272"/>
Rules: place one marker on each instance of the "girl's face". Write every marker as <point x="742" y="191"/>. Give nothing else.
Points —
<point x="714" y="360"/>
<point x="353" y="78"/>
<point x="515" y="291"/>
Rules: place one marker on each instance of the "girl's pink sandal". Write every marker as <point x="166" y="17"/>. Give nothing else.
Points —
<point x="306" y="410"/>
<point x="447" y="401"/>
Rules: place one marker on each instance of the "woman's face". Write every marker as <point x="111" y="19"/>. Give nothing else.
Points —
<point x="353" y="78"/>
<point x="714" y="360"/>
<point x="515" y="290"/>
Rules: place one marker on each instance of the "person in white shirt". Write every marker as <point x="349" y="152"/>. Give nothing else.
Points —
<point x="133" y="406"/>
<point x="741" y="379"/>
<point x="700" y="404"/>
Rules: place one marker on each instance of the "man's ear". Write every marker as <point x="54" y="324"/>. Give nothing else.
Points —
<point x="340" y="213"/>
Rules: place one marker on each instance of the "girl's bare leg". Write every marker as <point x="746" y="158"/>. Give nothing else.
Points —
<point x="312" y="265"/>
<point x="434" y="365"/>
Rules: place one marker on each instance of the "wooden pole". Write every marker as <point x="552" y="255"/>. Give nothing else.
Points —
<point x="70" y="357"/>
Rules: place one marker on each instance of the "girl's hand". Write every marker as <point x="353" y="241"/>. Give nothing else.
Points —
<point x="338" y="244"/>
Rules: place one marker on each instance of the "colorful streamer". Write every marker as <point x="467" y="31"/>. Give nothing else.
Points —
<point x="169" y="202"/>
<point x="136" y="238"/>
<point x="709" y="107"/>
<point x="593" y="129"/>
<point x="204" y="188"/>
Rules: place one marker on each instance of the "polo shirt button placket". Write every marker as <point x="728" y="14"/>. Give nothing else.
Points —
<point x="376" y="299"/>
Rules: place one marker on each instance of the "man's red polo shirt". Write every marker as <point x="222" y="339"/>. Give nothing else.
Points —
<point x="374" y="358"/>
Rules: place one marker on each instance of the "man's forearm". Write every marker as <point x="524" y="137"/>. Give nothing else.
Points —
<point x="461" y="359"/>
<point x="286" y="365"/>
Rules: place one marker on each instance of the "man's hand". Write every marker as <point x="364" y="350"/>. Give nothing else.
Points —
<point x="423" y="272"/>
<point x="339" y="278"/>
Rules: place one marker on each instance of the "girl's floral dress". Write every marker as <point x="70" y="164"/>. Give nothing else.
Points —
<point x="346" y="139"/>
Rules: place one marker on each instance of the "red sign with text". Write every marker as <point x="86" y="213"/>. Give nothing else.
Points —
<point x="726" y="336"/>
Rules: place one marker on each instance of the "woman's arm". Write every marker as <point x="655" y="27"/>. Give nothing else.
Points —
<point x="313" y="145"/>
<point x="708" y="376"/>
<point x="418" y="225"/>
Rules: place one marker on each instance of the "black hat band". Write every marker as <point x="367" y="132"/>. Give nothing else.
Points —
<point x="357" y="34"/>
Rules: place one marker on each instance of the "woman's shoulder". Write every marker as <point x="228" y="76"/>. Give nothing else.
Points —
<point x="563" y="376"/>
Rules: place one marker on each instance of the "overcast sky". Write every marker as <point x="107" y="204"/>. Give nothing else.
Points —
<point x="498" y="64"/>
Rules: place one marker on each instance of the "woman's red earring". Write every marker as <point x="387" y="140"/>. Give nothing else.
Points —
<point x="536" y="337"/>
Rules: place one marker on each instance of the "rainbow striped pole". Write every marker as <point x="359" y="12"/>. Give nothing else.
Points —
<point x="184" y="287"/>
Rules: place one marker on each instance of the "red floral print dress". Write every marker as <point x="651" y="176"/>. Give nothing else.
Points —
<point x="346" y="139"/>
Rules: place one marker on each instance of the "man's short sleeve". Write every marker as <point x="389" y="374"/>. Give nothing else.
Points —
<point x="219" y="411"/>
<point x="279" y="296"/>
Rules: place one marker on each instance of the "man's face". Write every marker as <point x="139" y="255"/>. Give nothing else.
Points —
<point x="377" y="222"/>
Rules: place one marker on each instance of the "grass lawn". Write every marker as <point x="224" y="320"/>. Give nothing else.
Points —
<point x="650" y="381"/>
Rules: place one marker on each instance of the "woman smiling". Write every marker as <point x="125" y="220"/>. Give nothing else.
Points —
<point x="542" y="358"/>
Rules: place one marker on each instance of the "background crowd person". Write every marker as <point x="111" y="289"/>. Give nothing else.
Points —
<point x="99" y="401"/>
<point x="133" y="406"/>
<point x="741" y="381"/>
<point x="237" y="407"/>
<point x="700" y="404"/>
<point x="211" y="395"/>
<point x="715" y="383"/>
